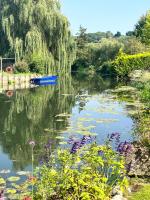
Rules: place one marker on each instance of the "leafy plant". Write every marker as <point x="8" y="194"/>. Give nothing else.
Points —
<point x="21" y="66"/>
<point x="124" y="64"/>
<point x="86" y="173"/>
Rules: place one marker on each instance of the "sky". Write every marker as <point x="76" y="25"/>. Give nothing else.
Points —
<point x="104" y="15"/>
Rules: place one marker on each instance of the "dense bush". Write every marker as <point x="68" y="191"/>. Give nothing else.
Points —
<point x="37" y="63"/>
<point x="145" y="93"/>
<point x="124" y="64"/>
<point x="107" y="69"/>
<point x="21" y="67"/>
<point x="87" y="173"/>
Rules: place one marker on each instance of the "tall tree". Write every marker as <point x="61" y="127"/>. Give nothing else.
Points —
<point x="146" y="29"/>
<point x="138" y="32"/>
<point x="30" y="28"/>
<point x="81" y="38"/>
<point x="118" y="34"/>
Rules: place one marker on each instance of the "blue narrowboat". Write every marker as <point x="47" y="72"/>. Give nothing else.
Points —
<point x="47" y="80"/>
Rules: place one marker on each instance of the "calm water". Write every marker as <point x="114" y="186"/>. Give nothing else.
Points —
<point x="74" y="106"/>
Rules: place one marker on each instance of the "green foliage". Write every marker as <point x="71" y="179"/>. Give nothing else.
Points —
<point x="96" y="54"/>
<point x="30" y="27"/>
<point x="118" y="34"/>
<point x="81" y="38"/>
<point x="142" y="28"/>
<point x="83" y="175"/>
<point x="124" y="64"/>
<point x="146" y="29"/>
<point x="145" y="93"/>
<point x="107" y="68"/>
<point x="133" y="45"/>
<point x="104" y="51"/>
<point x="37" y="63"/>
<point x="142" y="194"/>
<point x="138" y="32"/>
<point x="96" y="37"/>
<point x="21" y="66"/>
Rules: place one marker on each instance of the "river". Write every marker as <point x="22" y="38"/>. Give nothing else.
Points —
<point x="74" y="107"/>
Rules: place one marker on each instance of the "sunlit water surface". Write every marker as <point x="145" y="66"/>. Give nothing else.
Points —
<point x="76" y="106"/>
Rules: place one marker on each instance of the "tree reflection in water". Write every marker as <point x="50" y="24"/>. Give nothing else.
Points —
<point x="31" y="115"/>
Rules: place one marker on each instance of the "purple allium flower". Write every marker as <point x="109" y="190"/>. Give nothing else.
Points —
<point x="71" y="140"/>
<point x="32" y="143"/>
<point x="78" y="144"/>
<point x="47" y="146"/>
<point x="124" y="148"/>
<point x="84" y="140"/>
<point x="41" y="161"/>
<point x="100" y="153"/>
<point x="115" y="136"/>
<point x="75" y="147"/>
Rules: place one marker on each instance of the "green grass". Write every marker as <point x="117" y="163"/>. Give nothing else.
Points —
<point x="142" y="194"/>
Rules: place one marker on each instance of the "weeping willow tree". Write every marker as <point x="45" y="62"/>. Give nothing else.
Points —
<point x="36" y="30"/>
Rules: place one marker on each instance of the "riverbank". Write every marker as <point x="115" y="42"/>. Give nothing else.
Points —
<point x="15" y="81"/>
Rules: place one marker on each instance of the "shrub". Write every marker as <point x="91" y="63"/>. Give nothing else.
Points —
<point x="37" y="63"/>
<point x="107" y="69"/>
<point x="89" y="173"/>
<point x="145" y="93"/>
<point x="21" y="67"/>
<point x="124" y="64"/>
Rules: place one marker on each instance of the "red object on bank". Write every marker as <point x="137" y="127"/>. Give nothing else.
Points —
<point x="27" y="198"/>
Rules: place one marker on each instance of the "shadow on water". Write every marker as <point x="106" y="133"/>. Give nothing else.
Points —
<point x="31" y="114"/>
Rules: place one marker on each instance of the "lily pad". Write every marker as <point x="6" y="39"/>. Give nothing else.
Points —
<point x="60" y="137"/>
<point x="63" y="115"/>
<point x="13" y="178"/>
<point x="59" y="120"/>
<point x="23" y="173"/>
<point x="5" y="171"/>
<point x="10" y="191"/>
<point x="62" y="143"/>
<point x="2" y="181"/>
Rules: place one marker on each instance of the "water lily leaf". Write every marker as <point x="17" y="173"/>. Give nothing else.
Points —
<point x="90" y="127"/>
<point x="2" y="181"/>
<point x="86" y="119"/>
<point x="60" y="137"/>
<point x="23" y="173"/>
<point x="63" y="115"/>
<point x="5" y="171"/>
<point x="67" y="94"/>
<point x="13" y="196"/>
<point x="13" y="178"/>
<point x="10" y="191"/>
<point x="107" y="120"/>
<point x="62" y="143"/>
<point x="60" y="120"/>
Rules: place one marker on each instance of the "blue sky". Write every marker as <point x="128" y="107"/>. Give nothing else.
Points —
<point x="104" y="15"/>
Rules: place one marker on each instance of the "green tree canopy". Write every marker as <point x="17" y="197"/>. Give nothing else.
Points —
<point x="36" y="27"/>
<point x="138" y="32"/>
<point x="146" y="29"/>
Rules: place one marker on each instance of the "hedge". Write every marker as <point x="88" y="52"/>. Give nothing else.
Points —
<point x="124" y="64"/>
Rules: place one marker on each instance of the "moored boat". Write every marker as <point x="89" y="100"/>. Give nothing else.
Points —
<point x="46" y="80"/>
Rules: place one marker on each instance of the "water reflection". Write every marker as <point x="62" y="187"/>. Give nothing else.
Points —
<point x="31" y="114"/>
